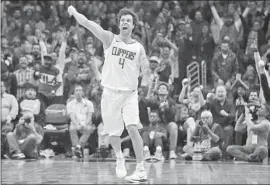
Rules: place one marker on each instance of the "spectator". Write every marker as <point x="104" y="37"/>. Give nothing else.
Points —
<point x="170" y="56"/>
<point x="23" y="74"/>
<point x="4" y="45"/>
<point x="17" y="48"/>
<point x="208" y="135"/>
<point x="147" y="80"/>
<point x="9" y="107"/>
<point x="229" y="26"/>
<point x="249" y="77"/>
<point x="80" y="111"/>
<point x="206" y="50"/>
<point x="194" y="100"/>
<point x="154" y="137"/>
<point x="48" y="81"/>
<point x="143" y="108"/>
<point x="79" y="73"/>
<point x="31" y="103"/>
<point x="9" y="80"/>
<point x="166" y="106"/>
<point x="255" y="149"/>
<point x="197" y="25"/>
<point x="255" y="26"/>
<point x="224" y="66"/>
<point x="24" y="140"/>
<point x="188" y="51"/>
<point x="263" y="76"/>
<point x="240" y="99"/>
<point x="36" y="51"/>
<point x="186" y="125"/>
<point x="60" y="62"/>
<point x="223" y="114"/>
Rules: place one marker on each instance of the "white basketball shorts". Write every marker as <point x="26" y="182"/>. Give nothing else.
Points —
<point x="119" y="109"/>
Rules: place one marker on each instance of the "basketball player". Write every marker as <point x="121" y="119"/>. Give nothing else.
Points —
<point x="124" y="57"/>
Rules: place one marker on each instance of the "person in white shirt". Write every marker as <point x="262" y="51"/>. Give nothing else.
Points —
<point x="124" y="58"/>
<point x="80" y="111"/>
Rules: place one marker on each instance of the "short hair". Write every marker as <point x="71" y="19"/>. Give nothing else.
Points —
<point x="165" y="45"/>
<point x="225" y="41"/>
<point x="78" y="84"/>
<point x="164" y="84"/>
<point x="221" y="86"/>
<point x="35" y="44"/>
<point x="207" y="112"/>
<point x="23" y="56"/>
<point x="126" y="11"/>
<point x="156" y="111"/>
<point x="198" y="10"/>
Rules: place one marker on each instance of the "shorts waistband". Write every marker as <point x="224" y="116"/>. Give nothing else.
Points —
<point x="119" y="91"/>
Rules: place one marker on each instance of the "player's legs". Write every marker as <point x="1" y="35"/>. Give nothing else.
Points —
<point x="130" y="113"/>
<point x="111" y="104"/>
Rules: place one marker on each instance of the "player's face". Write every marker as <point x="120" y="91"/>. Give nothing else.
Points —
<point x="126" y="24"/>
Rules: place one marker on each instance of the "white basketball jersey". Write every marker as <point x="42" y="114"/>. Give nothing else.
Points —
<point x="121" y="66"/>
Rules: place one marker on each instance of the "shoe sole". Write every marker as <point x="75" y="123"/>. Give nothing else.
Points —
<point x="136" y="181"/>
<point x="18" y="158"/>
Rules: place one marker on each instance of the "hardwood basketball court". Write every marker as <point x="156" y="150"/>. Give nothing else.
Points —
<point x="73" y="171"/>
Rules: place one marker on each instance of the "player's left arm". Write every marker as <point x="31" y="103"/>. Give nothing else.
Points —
<point x="144" y="62"/>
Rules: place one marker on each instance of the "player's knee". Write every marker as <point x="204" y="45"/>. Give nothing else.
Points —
<point x="132" y="130"/>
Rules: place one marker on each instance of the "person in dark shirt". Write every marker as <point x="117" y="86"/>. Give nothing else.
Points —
<point x="166" y="105"/>
<point x="48" y="80"/>
<point x="209" y="137"/>
<point x="223" y="114"/>
<point x="9" y="79"/>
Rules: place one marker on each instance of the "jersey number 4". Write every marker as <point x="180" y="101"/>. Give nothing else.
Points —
<point x="122" y="62"/>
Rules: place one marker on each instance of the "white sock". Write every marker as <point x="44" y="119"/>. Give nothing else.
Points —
<point x="126" y="151"/>
<point x="119" y="154"/>
<point x="145" y="148"/>
<point x="158" y="149"/>
<point x="140" y="166"/>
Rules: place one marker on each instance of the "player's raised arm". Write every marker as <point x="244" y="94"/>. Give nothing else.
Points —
<point x="104" y="36"/>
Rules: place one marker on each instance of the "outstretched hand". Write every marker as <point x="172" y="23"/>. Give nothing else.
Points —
<point x="71" y="10"/>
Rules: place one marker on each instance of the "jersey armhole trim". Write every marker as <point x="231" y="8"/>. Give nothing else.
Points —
<point x="113" y="40"/>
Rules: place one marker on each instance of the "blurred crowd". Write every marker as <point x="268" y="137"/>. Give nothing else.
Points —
<point x="51" y="66"/>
